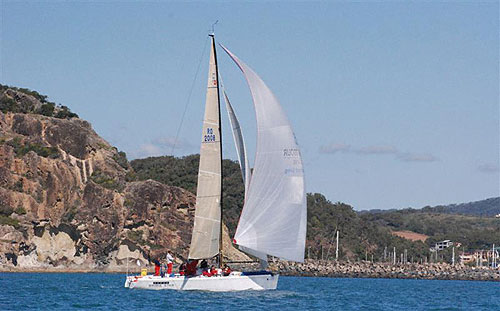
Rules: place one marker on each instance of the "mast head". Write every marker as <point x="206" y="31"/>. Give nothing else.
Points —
<point x="212" y="33"/>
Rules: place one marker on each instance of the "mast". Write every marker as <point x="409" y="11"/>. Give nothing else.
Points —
<point x="212" y="36"/>
<point x="337" y="249"/>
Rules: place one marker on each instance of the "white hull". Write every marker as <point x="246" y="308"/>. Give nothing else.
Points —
<point x="237" y="281"/>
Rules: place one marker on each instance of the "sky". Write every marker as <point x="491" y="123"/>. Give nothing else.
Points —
<point x="393" y="104"/>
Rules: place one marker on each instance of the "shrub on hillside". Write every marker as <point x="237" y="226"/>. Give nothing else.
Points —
<point x="21" y="148"/>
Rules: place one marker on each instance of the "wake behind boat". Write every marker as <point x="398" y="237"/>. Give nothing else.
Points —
<point x="274" y="216"/>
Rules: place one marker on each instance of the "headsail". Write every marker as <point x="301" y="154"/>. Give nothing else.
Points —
<point x="207" y="220"/>
<point x="274" y="217"/>
<point x="239" y="142"/>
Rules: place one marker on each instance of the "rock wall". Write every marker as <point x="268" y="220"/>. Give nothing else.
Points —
<point x="68" y="201"/>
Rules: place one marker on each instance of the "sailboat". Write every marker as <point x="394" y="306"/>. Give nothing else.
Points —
<point x="274" y="216"/>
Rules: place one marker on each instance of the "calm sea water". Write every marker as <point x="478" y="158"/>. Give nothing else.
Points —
<point x="61" y="291"/>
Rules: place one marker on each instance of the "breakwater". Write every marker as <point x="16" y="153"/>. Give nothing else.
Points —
<point x="365" y="269"/>
<point x="341" y="269"/>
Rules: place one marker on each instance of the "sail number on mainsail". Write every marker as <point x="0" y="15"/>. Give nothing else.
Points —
<point x="209" y="136"/>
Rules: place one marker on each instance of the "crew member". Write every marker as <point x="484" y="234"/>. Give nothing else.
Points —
<point x="206" y="272"/>
<point x="213" y="271"/>
<point x="182" y="269"/>
<point x="204" y="264"/>
<point x="226" y="271"/>
<point x="157" y="266"/>
<point x="170" y="263"/>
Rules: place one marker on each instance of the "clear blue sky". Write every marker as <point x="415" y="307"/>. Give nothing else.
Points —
<point x="393" y="104"/>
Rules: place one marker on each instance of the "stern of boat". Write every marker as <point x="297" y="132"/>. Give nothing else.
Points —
<point x="129" y="281"/>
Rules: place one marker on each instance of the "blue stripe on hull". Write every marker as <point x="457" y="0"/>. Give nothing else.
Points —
<point x="262" y="272"/>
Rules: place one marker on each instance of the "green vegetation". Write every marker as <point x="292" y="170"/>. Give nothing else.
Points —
<point x="179" y="172"/>
<point x="47" y="108"/>
<point x="40" y="97"/>
<point x="472" y="232"/>
<point x="128" y="203"/>
<point x="8" y="105"/>
<point x="485" y="208"/>
<point x="106" y="181"/>
<point x="21" y="148"/>
<point x="130" y="176"/>
<point x="6" y="210"/>
<point x="65" y="113"/>
<point x="5" y="220"/>
<point x="20" y="211"/>
<point x="103" y="146"/>
<point x="488" y="207"/>
<point x="121" y="158"/>
<point x="359" y="239"/>
<point x="136" y="236"/>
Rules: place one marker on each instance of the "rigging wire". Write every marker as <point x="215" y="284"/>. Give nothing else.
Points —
<point x="189" y="98"/>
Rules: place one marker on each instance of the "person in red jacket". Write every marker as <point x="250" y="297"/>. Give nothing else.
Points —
<point x="226" y="271"/>
<point x="213" y="271"/>
<point x="206" y="272"/>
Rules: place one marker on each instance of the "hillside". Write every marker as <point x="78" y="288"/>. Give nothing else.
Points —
<point x="358" y="237"/>
<point x="487" y="208"/>
<point x="69" y="200"/>
<point x="483" y="208"/>
<point x="471" y="231"/>
<point x="362" y="234"/>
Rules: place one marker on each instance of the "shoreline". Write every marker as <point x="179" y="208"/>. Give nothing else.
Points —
<point x="315" y="268"/>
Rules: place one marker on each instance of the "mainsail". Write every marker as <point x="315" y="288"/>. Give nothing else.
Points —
<point x="239" y="143"/>
<point x="274" y="217"/>
<point x="207" y="220"/>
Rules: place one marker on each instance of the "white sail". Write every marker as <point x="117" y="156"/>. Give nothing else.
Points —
<point x="274" y="217"/>
<point x="206" y="229"/>
<point x="239" y="142"/>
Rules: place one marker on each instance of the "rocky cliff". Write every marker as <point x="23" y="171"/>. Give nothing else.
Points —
<point x="68" y="199"/>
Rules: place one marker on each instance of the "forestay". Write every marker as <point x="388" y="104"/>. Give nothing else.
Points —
<point x="206" y="229"/>
<point x="273" y="219"/>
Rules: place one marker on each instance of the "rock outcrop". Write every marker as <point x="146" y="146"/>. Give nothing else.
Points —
<point x="68" y="199"/>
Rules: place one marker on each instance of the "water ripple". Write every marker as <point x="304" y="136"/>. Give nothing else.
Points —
<point x="59" y="291"/>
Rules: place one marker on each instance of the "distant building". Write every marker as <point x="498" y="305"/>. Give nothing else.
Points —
<point x="482" y="257"/>
<point x="442" y="245"/>
<point x="467" y="257"/>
